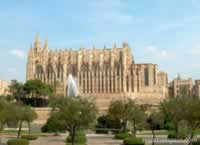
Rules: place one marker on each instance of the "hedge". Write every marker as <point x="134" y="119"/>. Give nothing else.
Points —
<point x="172" y="135"/>
<point x="29" y="137"/>
<point x="197" y="142"/>
<point x="122" y="135"/>
<point x="18" y="142"/>
<point x="133" y="141"/>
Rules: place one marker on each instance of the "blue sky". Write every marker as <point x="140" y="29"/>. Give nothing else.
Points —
<point x="165" y="32"/>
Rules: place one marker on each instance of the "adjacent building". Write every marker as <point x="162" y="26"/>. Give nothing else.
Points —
<point x="197" y="88"/>
<point x="4" y="87"/>
<point x="106" y="74"/>
<point x="181" y="86"/>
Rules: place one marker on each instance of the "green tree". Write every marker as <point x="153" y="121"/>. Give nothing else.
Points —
<point x="17" y="90"/>
<point x="36" y="89"/>
<point x="121" y="110"/>
<point x="30" y="116"/>
<point x="155" y="122"/>
<point x="3" y="105"/>
<point x="192" y="115"/>
<point x="76" y="112"/>
<point x="54" y="125"/>
<point x="137" y="118"/>
<point x="173" y="110"/>
<point x="25" y="114"/>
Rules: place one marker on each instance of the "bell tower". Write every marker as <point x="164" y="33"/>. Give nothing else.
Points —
<point x="37" y="46"/>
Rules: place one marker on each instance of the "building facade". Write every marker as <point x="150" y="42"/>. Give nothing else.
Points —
<point x="181" y="86"/>
<point x="4" y="87"/>
<point x="197" y="88"/>
<point x="105" y="74"/>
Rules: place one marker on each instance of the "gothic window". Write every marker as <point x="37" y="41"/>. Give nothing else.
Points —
<point x="114" y="83"/>
<point x="154" y="75"/>
<point x="127" y="83"/>
<point x="99" y="82"/>
<point x="110" y="79"/>
<point x="146" y="76"/>
<point x="87" y="81"/>
<point x="102" y="83"/>
<point x="91" y="84"/>
<point x="49" y="71"/>
<point x="132" y="83"/>
<point x="39" y="71"/>
<point x="138" y="82"/>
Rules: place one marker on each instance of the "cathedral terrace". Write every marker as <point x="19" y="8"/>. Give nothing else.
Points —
<point x="106" y="74"/>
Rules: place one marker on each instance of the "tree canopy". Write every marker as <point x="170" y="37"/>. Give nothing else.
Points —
<point x="76" y="113"/>
<point x="121" y="110"/>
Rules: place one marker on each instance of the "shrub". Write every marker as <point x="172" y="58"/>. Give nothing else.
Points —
<point x="18" y="142"/>
<point x="106" y="122"/>
<point x="122" y="135"/>
<point x="172" y="135"/>
<point x="183" y="134"/>
<point x="101" y="131"/>
<point x="80" y="138"/>
<point x="133" y="141"/>
<point x="53" y="125"/>
<point x="197" y="142"/>
<point x="29" y="137"/>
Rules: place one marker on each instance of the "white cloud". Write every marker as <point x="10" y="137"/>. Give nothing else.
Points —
<point x="18" y="53"/>
<point x="155" y="52"/>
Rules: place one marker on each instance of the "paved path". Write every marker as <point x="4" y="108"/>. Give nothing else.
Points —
<point x="93" y="139"/>
<point x="102" y="140"/>
<point x="60" y="140"/>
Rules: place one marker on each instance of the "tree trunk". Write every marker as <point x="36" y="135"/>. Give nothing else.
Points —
<point x="134" y="130"/>
<point x="176" y="129"/>
<point x="124" y="125"/>
<point x="29" y="128"/>
<point x="154" y="136"/>
<point x="73" y="135"/>
<point x="20" y="128"/>
<point x="191" y="137"/>
<point x="0" y="135"/>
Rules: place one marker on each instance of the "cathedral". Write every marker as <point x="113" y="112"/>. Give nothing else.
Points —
<point x="106" y="74"/>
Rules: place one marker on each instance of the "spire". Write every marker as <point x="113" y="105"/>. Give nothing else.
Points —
<point x="115" y="45"/>
<point x="37" y="39"/>
<point x="46" y="44"/>
<point x="31" y="50"/>
<point x="125" y="44"/>
<point x="37" y="42"/>
<point x="179" y="76"/>
<point x="104" y="46"/>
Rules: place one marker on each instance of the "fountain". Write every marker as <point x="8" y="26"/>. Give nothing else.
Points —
<point x="72" y="87"/>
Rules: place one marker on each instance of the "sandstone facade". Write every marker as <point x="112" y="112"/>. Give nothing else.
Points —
<point x="179" y="86"/>
<point x="105" y="74"/>
<point x="4" y="87"/>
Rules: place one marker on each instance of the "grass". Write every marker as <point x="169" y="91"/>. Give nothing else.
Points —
<point x="75" y="144"/>
<point x="197" y="132"/>
<point x="158" y="132"/>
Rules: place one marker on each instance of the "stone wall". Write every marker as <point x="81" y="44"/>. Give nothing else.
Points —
<point x="42" y="115"/>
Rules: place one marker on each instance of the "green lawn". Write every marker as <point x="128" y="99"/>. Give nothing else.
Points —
<point x="158" y="132"/>
<point x="163" y="132"/>
<point x="197" y="132"/>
